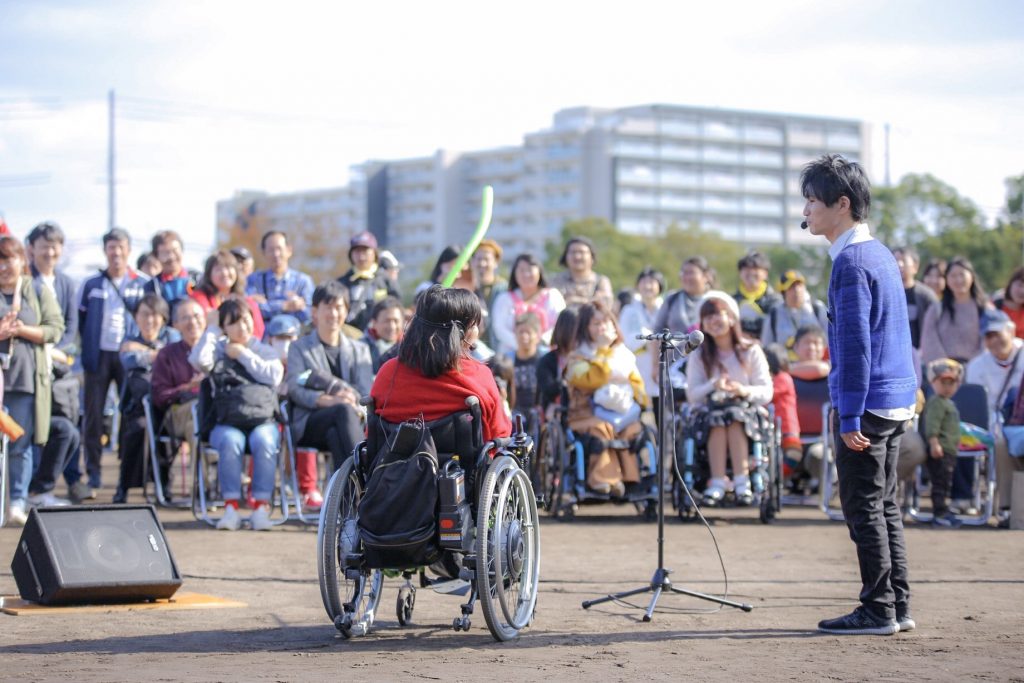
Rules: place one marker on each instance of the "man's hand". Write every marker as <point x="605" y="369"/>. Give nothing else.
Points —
<point x="855" y="441"/>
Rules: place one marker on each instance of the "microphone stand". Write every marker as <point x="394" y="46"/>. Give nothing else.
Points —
<point x="660" y="582"/>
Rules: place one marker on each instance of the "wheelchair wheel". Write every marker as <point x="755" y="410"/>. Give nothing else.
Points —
<point x="508" y="549"/>
<point x="406" y="604"/>
<point x="552" y="454"/>
<point x="350" y="595"/>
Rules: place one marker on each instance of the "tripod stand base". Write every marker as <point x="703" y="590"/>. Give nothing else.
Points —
<point x="660" y="583"/>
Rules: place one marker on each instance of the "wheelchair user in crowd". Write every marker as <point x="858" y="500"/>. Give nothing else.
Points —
<point x="244" y="373"/>
<point x="730" y="378"/>
<point x="606" y="397"/>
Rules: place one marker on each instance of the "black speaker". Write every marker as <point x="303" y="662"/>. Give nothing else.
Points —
<point x="94" y="554"/>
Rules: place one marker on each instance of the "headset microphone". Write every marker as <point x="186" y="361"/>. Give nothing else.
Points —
<point x="803" y="226"/>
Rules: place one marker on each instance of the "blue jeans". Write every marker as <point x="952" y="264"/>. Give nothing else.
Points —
<point x="229" y="443"/>
<point x="21" y="406"/>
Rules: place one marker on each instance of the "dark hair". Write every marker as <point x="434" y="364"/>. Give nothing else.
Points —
<point x="47" y="230"/>
<point x="528" y="319"/>
<point x="587" y="313"/>
<point x="432" y="343"/>
<point x="143" y="257"/>
<point x="655" y="275"/>
<point x="702" y="263"/>
<point x="563" y="261"/>
<point x="831" y="177"/>
<point x="754" y="259"/>
<point x="331" y="292"/>
<point x="163" y="237"/>
<point x="155" y="303"/>
<point x="977" y="292"/>
<point x="385" y="304"/>
<point x="805" y="330"/>
<point x="513" y="283"/>
<point x="1014" y="277"/>
<point x="448" y="254"/>
<point x="270" y="233"/>
<point x="11" y="247"/>
<point x="907" y="251"/>
<point x="231" y="310"/>
<point x="938" y="264"/>
<point x="225" y="258"/>
<point x="777" y="357"/>
<point x="709" y="349"/>
<point x="117" y="235"/>
<point x="563" y="334"/>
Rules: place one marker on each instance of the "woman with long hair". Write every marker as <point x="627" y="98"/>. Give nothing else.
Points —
<point x="934" y="275"/>
<point x="528" y="291"/>
<point x="730" y="378"/>
<point x="952" y="327"/>
<point x="1012" y="300"/>
<point x="221" y="279"/>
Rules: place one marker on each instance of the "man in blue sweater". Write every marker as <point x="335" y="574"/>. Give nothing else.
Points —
<point x="872" y="386"/>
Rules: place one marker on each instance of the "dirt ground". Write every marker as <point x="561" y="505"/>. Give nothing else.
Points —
<point x="968" y="600"/>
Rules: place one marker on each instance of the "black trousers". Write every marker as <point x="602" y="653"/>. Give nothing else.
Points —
<point x="96" y="385"/>
<point x="60" y="448"/>
<point x="867" y="490"/>
<point x="941" y="472"/>
<point x="336" y="428"/>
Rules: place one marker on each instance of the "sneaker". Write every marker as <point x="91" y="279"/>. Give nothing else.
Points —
<point x="17" y="514"/>
<point x="47" y="500"/>
<point x="230" y="521"/>
<point x="260" y="519"/>
<point x="312" y="500"/>
<point x="905" y="622"/>
<point x="714" y="493"/>
<point x="946" y="521"/>
<point x="859" y="622"/>
<point x="741" y="489"/>
<point x="617" y="490"/>
<point x="79" y="492"/>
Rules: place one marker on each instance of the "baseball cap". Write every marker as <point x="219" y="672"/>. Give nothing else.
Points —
<point x="996" y="321"/>
<point x="241" y="253"/>
<point x="944" y="367"/>
<point x="284" y="325"/>
<point x="363" y="239"/>
<point x="725" y="298"/>
<point x="790" y="278"/>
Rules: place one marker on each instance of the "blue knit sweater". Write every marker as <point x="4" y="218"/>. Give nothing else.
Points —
<point x="868" y="335"/>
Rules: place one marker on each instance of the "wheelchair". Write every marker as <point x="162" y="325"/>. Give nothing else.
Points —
<point x="497" y="549"/>
<point x="160" y="450"/>
<point x="561" y="467"/>
<point x="692" y="464"/>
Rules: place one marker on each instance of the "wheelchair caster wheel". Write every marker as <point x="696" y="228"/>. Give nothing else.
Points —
<point x="406" y="603"/>
<point x="343" y="622"/>
<point x="461" y="624"/>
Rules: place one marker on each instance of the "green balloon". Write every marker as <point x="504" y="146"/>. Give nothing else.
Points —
<point x="487" y="204"/>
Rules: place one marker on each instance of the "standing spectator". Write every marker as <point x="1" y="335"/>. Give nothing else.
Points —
<point x="45" y="248"/>
<point x="246" y="263"/>
<point x="174" y="283"/>
<point x="920" y="296"/>
<point x="681" y="312"/>
<point x="528" y="290"/>
<point x="934" y="276"/>
<point x="578" y="283"/>
<point x="366" y="282"/>
<point x="465" y="280"/>
<point x="754" y="295"/>
<point x="279" y="289"/>
<point x="147" y="265"/>
<point x="796" y="309"/>
<point x="28" y="321"/>
<point x="942" y="431"/>
<point x="952" y="327"/>
<point x="222" y="279"/>
<point x="105" y="309"/>
<point x="486" y="260"/>
<point x="1012" y="300"/>
<point x="872" y="386"/>
<point x="391" y="266"/>
<point x="525" y="364"/>
<point x="638" y="318"/>
<point x="387" y="321"/>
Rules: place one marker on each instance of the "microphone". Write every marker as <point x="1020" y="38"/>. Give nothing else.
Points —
<point x="693" y="339"/>
<point x="803" y="226"/>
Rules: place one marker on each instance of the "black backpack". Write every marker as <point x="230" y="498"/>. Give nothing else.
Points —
<point x="398" y="510"/>
<point x="239" y="400"/>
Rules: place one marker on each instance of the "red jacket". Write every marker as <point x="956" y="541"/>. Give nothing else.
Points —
<point x="400" y="393"/>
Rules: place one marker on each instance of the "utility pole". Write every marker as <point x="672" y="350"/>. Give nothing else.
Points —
<point x="111" y="205"/>
<point x="888" y="178"/>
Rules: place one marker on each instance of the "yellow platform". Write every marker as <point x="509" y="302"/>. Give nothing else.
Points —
<point x="14" y="605"/>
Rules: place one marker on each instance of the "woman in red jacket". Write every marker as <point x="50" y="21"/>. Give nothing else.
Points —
<point x="219" y="282"/>
<point x="434" y="373"/>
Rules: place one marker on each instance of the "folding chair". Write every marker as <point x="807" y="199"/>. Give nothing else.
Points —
<point x="812" y="407"/>
<point x="313" y="518"/>
<point x="158" y="440"/>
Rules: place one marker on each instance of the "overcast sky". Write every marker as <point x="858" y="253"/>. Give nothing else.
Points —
<point x="216" y="97"/>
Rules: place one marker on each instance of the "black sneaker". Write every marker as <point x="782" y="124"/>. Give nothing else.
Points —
<point x="79" y="492"/>
<point x="905" y="622"/>
<point x="946" y="521"/>
<point x="859" y="622"/>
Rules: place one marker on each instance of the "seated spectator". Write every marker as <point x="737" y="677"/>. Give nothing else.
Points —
<point x="148" y="265"/>
<point x="244" y="372"/>
<point x="809" y="347"/>
<point x="784" y="400"/>
<point x="282" y="332"/>
<point x="434" y="373"/>
<point x="387" y="322"/>
<point x="606" y="397"/>
<point x="528" y="290"/>
<point x="1012" y="300"/>
<point x="280" y="289"/>
<point x="28" y="322"/>
<point x="525" y="362"/>
<point x="934" y="275"/>
<point x="754" y="296"/>
<point x="220" y="280"/>
<point x="639" y="318"/>
<point x="578" y="283"/>
<point x="796" y="309"/>
<point x="952" y="328"/>
<point x="175" y="382"/>
<point x="489" y="284"/>
<point x="138" y="353"/>
<point x="328" y="374"/>
<point x="173" y="283"/>
<point x="729" y="376"/>
<point x="551" y="366"/>
<point x="65" y="439"/>
<point x="366" y="282"/>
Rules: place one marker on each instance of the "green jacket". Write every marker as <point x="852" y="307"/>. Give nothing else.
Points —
<point x="51" y="320"/>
